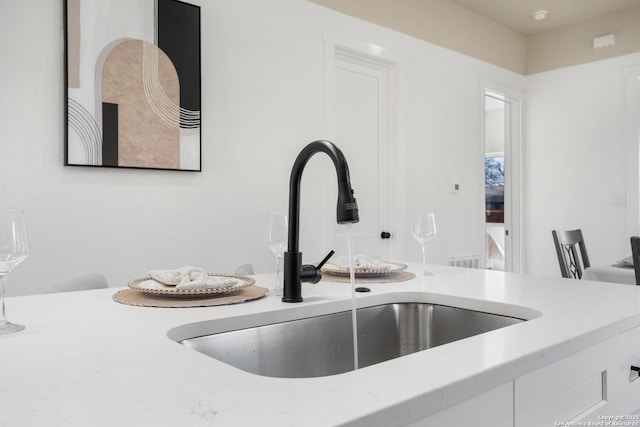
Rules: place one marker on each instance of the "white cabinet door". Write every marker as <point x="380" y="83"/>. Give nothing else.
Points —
<point x="493" y="408"/>
<point x="587" y="386"/>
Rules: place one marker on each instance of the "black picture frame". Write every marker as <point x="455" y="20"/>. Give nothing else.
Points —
<point x="133" y="84"/>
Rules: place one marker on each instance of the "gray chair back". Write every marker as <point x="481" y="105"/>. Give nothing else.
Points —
<point x="572" y="253"/>
<point x="244" y="269"/>
<point x="80" y="283"/>
<point x="635" y="256"/>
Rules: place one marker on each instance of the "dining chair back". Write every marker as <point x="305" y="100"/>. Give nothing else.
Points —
<point x="572" y="253"/>
<point x="80" y="283"/>
<point x="244" y="269"/>
<point x="635" y="256"/>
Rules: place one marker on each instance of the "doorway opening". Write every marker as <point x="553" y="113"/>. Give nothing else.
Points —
<point x="494" y="181"/>
<point x="502" y="181"/>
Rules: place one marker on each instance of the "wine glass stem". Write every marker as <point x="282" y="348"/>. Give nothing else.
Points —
<point x="424" y="258"/>
<point x="279" y="284"/>
<point x="3" y="282"/>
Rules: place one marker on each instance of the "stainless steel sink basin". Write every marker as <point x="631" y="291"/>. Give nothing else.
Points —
<point x="323" y="345"/>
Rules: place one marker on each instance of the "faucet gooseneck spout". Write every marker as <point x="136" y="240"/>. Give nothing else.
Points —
<point x="347" y="212"/>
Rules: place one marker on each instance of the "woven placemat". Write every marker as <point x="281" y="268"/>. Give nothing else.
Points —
<point x="143" y="299"/>
<point x="397" y="276"/>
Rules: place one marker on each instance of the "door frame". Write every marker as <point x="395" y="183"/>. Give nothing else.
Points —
<point x="632" y="76"/>
<point x="393" y="180"/>
<point x="514" y="241"/>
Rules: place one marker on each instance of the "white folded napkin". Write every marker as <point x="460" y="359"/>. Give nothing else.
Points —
<point x="628" y="260"/>
<point x="361" y="262"/>
<point x="188" y="278"/>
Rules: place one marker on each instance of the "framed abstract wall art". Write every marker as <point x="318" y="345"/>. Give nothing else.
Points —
<point x="133" y="84"/>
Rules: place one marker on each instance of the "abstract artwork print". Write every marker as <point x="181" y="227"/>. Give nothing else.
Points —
<point x="133" y="84"/>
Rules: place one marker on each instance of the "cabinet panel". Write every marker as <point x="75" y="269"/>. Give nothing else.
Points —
<point x="589" y="385"/>
<point x="493" y="408"/>
<point x="623" y="397"/>
<point x="561" y="391"/>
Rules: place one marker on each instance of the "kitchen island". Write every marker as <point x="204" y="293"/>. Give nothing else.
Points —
<point x="85" y="360"/>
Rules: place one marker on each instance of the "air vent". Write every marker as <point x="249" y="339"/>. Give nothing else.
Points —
<point x="466" y="261"/>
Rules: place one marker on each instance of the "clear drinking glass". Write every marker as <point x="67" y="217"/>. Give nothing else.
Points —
<point x="423" y="229"/>
<point x="14" y="248"/>
<point x="276" y="240"/>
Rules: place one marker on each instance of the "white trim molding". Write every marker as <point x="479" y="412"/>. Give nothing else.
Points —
<point x="632" y="75"/>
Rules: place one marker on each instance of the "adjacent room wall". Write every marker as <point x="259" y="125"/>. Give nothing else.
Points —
<point x="262" y="101"/>
<point x="576" y="150"/>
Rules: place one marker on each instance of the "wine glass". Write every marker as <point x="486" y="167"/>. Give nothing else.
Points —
<point x="14" y="248"/>
<point x="423" y="230"/>
<point x="276" y="240"/>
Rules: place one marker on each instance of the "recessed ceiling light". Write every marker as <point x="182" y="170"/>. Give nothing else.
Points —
<point x="539" y="15"/>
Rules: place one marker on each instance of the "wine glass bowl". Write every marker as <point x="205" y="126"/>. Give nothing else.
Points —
<point x="423" y="229"/>
<point x="14" y="248"/>
<point x="276" y="240"/>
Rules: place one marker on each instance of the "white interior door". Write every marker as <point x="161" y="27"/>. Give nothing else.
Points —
<point x="363" y="96"/>
<point x="360" y="111"/>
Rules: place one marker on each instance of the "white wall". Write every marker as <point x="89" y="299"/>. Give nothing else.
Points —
<point x="576" y="161"/>
<point x="262" y="68"/>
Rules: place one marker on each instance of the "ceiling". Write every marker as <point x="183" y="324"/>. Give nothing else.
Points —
<point x="516" y="14"/>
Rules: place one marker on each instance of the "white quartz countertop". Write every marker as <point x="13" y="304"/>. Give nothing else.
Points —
<point x="85" y="360"/>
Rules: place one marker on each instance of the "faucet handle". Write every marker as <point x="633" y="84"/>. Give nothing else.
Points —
<point x="324" y="261"/>
<point x="312" y="273"/>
